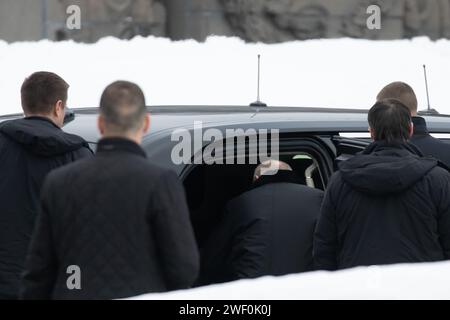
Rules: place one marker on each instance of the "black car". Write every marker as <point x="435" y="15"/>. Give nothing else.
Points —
<point x="311" y="140"/>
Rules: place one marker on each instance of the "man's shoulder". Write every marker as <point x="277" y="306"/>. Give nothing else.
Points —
<point x="287" y="188"/>
<point x="4" y="139"/>
<point x="136" y="167"/>
<point x="304" y="188"/>
<point x="291" y="187"/>
<point x="335" y="179"/>
<point x="428" y="141"/>
<point x="147" y="168"/>
<point x="439" y="173"/>
<point x="73" y="168"/>
<point x="436" y="148"/>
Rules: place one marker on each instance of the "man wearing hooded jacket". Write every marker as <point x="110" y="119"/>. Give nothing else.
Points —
<point x="29" y="149"/>
<point x="386" y="205"/>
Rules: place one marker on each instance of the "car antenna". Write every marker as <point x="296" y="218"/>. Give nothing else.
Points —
<point x="426" y="86"/>
<point x="258" y="102"/>
<point x="429" y="110"/>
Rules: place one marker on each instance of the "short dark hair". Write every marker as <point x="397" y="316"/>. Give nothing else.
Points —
<point x="390" y="120"/>
<point x="123" y="106"/>
<point x="41" y="91"/>
<point x="402" y="92"/>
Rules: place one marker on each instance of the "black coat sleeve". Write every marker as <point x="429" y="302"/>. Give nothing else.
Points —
<point x="235" y="248"/>
<point x="215" y="252"/>
<point x="39" y="275"/>
<point x="173" y="233"/>
<point x="444" y="212"/>
<point x="83" y="152"/>
<point x="325" y="245"/>
<point x="247" y="258"/>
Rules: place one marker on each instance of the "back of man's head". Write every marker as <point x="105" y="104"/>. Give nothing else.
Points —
<point x="390" y="121"/>
<point x="41" y="91"/>
<point x="123" y="109"/>
<point x="270" y="167"/>
<point x="400" y="91"/>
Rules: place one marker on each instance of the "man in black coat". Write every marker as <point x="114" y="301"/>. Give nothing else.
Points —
<point x="29" y="149"/>
<point x="386" y="205"/>
<point x="115" y="225"/>
<point x="421" y="138"/>
<point x="265" y="231"/>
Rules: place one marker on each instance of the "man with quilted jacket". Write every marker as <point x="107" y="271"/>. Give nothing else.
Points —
<point x="115" y="225"/>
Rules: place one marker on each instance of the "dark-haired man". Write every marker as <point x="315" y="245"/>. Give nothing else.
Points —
<point x="115" y="225"/>
<point x="29" y="149"/>
<point x="386" y="205"/>
<point x="429" y="145"/>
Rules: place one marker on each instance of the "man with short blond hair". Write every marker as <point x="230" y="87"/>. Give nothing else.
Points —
<point x="421" y="138"/>
<point x="402" y="92"/>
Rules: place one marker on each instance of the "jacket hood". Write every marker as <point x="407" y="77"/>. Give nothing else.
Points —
<point x="41" y="136"/>
<point x="384" y="168"/>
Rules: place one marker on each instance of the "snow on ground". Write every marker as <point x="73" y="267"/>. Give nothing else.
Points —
<point x="407" y="281"/>
<point x="222" y="71"/>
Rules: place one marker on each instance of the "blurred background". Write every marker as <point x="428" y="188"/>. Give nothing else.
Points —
<point x="266" y="21"/>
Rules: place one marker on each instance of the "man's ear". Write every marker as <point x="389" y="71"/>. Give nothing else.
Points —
<point x="59" y="109"/>
<point x="371" y="133"/>
<point x="146" y="124"/>
<point x="411" y="129"/>
<point x="58" y="113"/>
<point x="101" y="124"/>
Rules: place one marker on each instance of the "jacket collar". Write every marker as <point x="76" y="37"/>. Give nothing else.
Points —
<point x="281" y="176"/>
<point x="420" y="126"/>
<point x="407" y="147"/>
<point x="119" y="145"/>
<point x="44" y="120"/>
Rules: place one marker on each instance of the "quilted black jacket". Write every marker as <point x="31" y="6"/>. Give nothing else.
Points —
<point x="29" y="149"/>
<point x="123" y="221"/>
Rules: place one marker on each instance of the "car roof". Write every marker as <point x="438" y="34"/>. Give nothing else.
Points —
<point x="165" y="119"/>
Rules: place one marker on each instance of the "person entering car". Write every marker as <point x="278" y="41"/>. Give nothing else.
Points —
<point x="267" y="230"/>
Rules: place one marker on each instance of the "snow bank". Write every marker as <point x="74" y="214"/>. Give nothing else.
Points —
<point x="324" y="73"/>
<point x="407" y="281"/>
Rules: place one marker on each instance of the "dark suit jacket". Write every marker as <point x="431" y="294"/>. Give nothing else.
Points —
<point x="265" y="231"/>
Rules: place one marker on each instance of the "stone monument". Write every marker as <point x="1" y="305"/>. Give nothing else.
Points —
<point x="268" y="21"/>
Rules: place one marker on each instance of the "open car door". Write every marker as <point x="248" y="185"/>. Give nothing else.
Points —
<point x="346" y="148"/>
